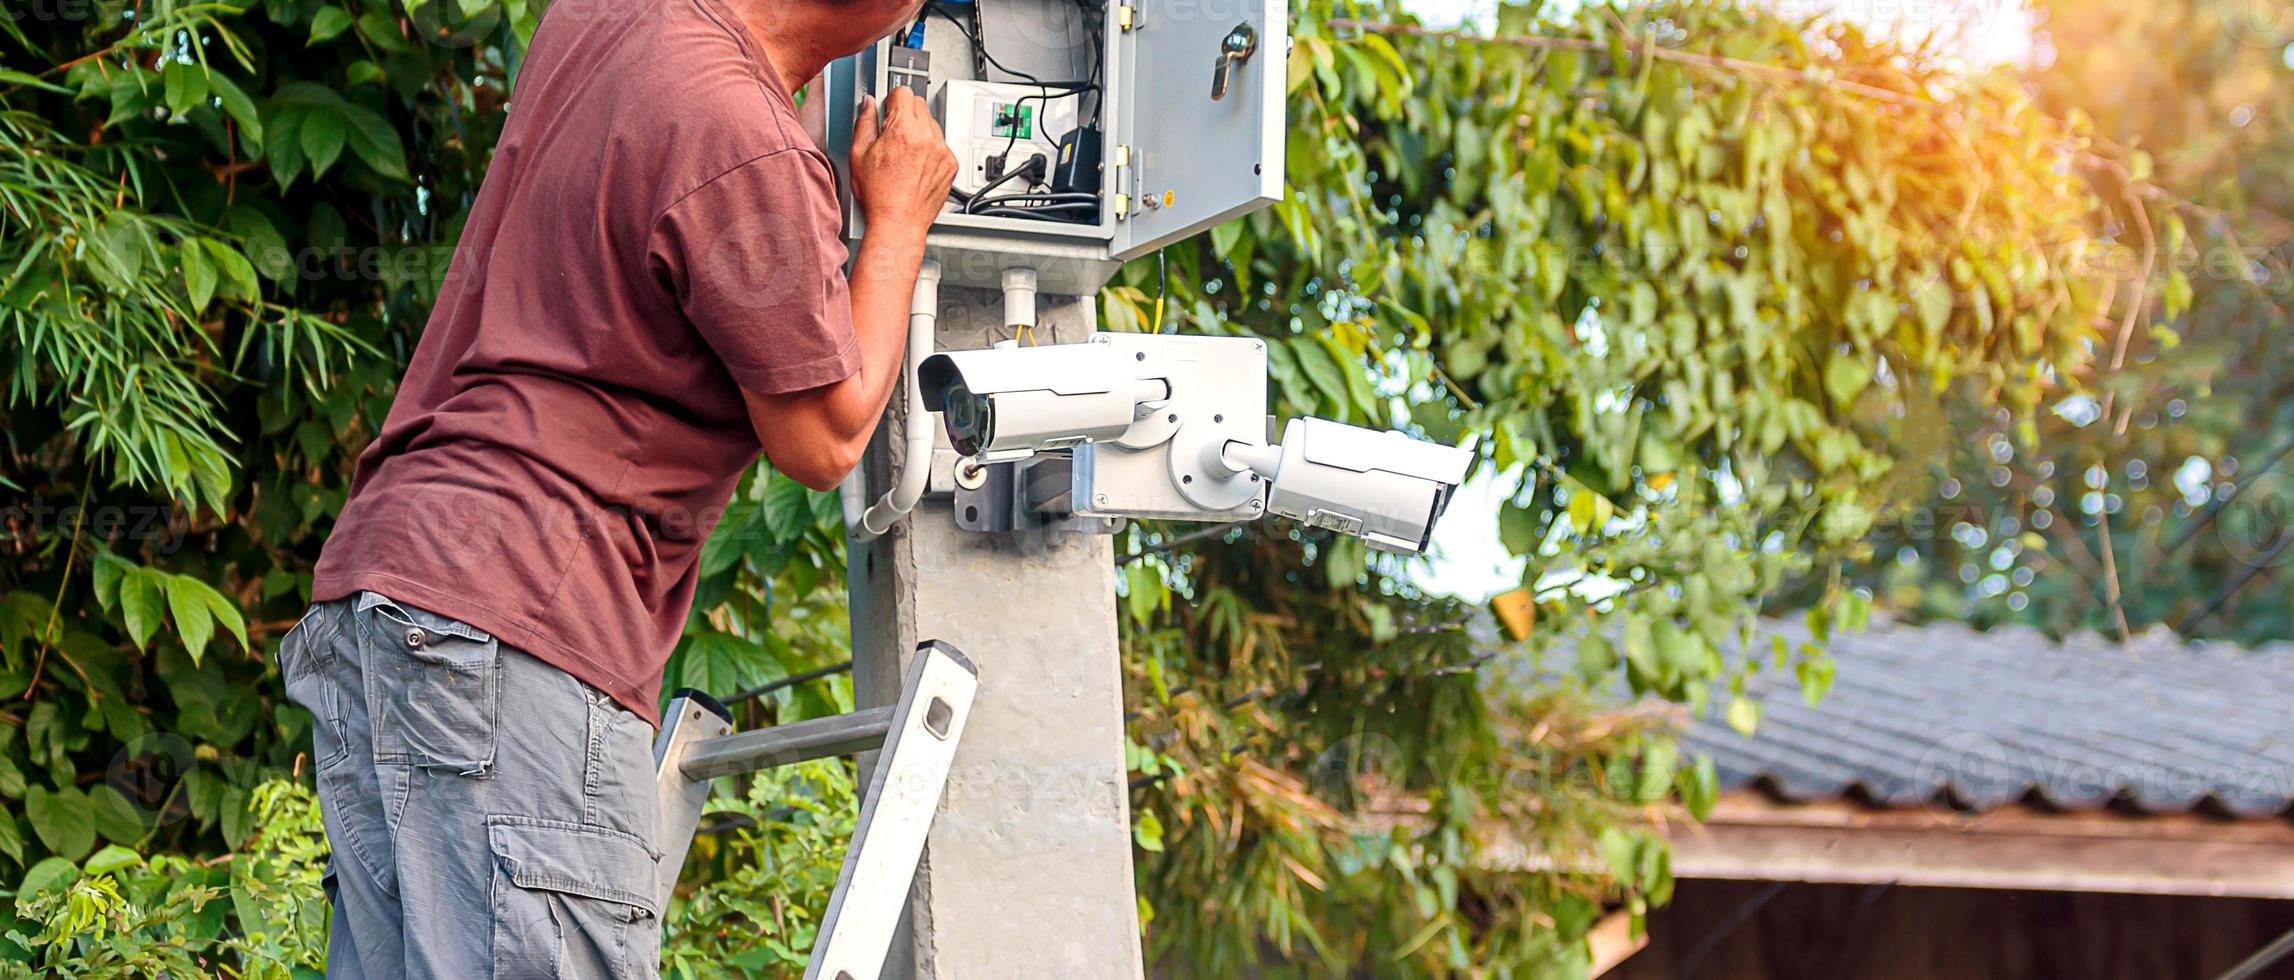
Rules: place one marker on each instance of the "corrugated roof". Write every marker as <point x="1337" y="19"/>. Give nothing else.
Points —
<point x="1941" y="713"/>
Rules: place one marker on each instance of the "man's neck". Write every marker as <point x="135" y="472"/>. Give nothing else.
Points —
<point x="778" y="29"/>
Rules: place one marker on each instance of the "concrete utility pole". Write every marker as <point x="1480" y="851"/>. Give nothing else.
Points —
<point x="1027" y="871"/>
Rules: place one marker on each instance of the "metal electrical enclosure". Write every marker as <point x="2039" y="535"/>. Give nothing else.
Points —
<point x="1185" y="113"/>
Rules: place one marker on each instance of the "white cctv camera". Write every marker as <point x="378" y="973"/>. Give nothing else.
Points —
<point x="1010" y="402"/>
<point x="1383" y="487"/>
<point x="1173" y="427"/>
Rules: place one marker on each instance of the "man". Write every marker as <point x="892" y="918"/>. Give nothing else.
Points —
<point x="649" y="291"/>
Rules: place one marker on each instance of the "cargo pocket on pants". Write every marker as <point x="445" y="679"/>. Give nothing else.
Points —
<point x="572" y="901"/>
<point x="311" y="670"/>
<point x="435" y="684"/>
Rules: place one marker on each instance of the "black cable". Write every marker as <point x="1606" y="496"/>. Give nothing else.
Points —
<point x="1306" y="672"/>
<point x="2245" y="574"/>
<point x="982" y="50"/>
<point x="2214" y="507"/>
<point x="792" y="680"/>
<point x="1067" y="206"/>
<point x="1093" y="83"/>
<point x="1038" y="215"/>
<point x="1063" y="197"/>
<point x="976" y="35"/>
<point x="1050" y="195"/>
<point x="1099" y="65"/>
<point x="978" y="195"/>
<point x="1035" y="207"/>
<point x="1178" y="541"/>
<point x="1049" y="90"/>
<point x="1013" y="138"/>
<point x="1008" y="210"/>
<point x="1032" y="197"/>
<point x="1025" y="197"/>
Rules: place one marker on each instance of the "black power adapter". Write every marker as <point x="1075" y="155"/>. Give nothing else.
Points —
<point x="1077" y="170"/>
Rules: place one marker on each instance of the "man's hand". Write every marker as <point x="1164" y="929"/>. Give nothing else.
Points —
<point x="901" y="170"/>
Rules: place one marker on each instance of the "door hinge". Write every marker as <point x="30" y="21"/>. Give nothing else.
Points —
<point x="1126" y="17"/>
<point x="1122" y="182"/>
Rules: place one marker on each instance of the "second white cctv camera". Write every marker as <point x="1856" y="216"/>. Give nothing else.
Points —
<point x="1381" y="486"/>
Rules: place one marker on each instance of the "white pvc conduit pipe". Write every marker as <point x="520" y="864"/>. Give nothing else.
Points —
<point x="852" y="493"/>
<point x="916" y="462"/>
<point x="1019" y="303"/>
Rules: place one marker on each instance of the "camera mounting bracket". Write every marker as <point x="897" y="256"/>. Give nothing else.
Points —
<point x="1165" y="465"/>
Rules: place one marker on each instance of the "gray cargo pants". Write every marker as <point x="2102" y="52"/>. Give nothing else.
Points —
<point x="491" y="816"/>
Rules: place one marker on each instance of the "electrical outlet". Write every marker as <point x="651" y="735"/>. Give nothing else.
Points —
<point x="994" y="127"/>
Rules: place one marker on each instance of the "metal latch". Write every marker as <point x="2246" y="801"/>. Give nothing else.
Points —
<point x="1234" y="49"/>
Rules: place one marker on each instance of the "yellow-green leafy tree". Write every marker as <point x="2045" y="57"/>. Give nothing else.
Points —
<point x="1698" y="279"/>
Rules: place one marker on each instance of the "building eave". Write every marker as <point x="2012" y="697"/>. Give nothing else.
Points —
<point x="1754" y="838"/>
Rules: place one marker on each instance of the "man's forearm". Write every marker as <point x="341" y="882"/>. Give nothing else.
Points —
<point x="816" y="435"/>
<point x="883" y="283"/>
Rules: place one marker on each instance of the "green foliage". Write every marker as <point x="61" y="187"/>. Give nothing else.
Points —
<point x="200" y="330"/>
<point x="772" y="582"/>
<point x="221" y="227"/>
<point x="261" y="914"/>
<point x="275" y="884"/>
<point x="781" y="851"/>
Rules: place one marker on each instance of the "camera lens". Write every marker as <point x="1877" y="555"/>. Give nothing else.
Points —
<point x="971" y="419"/>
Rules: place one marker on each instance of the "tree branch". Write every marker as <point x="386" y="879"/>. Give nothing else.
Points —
<point x="2247" y="574"/>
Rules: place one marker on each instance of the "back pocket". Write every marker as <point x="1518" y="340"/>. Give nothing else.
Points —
<point x="572" y="901"/>
<point x="435" y="684"/>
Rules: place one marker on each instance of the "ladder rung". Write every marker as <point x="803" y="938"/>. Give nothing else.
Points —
<point x="781" y="745"/>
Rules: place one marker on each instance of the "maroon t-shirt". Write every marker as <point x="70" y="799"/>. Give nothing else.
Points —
<point x="656" y="233"/>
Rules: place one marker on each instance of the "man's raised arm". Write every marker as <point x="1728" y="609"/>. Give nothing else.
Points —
<point x="900" y="175"/>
